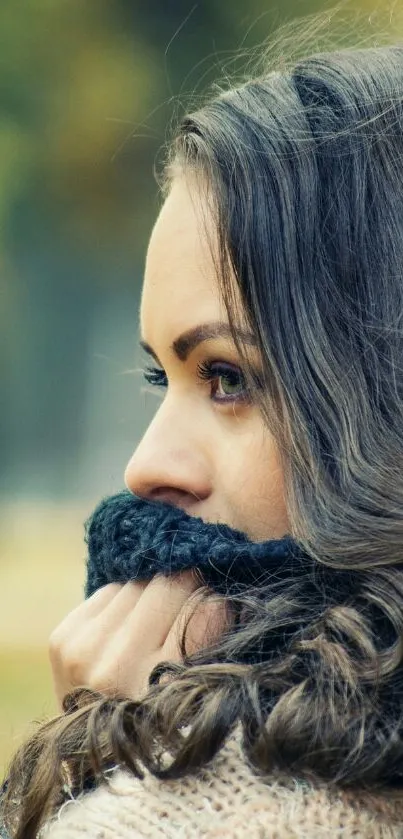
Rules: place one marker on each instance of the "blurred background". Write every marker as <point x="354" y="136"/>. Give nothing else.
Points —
<point x="89" y="92"/>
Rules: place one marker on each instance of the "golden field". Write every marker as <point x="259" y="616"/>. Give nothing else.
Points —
<point x="42" y="571"/>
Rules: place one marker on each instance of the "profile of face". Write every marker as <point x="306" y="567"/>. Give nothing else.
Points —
<point x="207" y="449"/>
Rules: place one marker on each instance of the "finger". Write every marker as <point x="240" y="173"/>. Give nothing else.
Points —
<point x="93" y="622"/>
<point x="205" y="623"/>
<point x="117" y="608"/>
<point x="100" y="599"/>
<point x="131" y="649"/>
<point x="80" y="615"/>
<point x="158" y="608"/>
<point x="134" y="622"/>
<point x="85" y="633"/>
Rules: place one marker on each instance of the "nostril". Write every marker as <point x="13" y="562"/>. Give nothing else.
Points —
<point x="160" y="494"/>
<point x="176" y="497"/>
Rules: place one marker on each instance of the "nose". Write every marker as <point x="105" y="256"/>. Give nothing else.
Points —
<point x="170" y="463"/>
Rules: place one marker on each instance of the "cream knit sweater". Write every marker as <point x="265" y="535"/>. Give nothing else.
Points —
<point x="225" y="800"/>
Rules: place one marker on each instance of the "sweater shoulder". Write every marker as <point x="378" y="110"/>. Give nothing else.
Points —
<point x="226" y="799"/>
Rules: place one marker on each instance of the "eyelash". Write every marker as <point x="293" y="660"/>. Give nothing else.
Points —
<point x="208" y="371"/>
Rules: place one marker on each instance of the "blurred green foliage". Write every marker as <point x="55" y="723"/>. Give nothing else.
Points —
<point x="89" y="91"/>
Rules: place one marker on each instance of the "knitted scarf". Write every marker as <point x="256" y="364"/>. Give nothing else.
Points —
<point x="130" y="538"/>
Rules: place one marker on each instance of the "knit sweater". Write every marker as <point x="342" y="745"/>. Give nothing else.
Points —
<point x="227" y="800"/>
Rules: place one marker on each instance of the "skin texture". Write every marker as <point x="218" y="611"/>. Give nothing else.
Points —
<point x="215" y="459"/>
<point x="112" y="641"/>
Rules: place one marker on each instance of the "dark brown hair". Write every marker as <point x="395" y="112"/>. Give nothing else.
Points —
<point x="303" y="165"/>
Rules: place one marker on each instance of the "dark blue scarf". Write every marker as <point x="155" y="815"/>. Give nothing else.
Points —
<point x="130" y="538"/>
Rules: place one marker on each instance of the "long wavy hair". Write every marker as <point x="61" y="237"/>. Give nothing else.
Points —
<point x="303" y="166"/>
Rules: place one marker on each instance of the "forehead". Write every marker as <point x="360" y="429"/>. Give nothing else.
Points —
<point x="180" y="284"/>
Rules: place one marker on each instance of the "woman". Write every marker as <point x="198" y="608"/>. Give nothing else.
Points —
<point x="272" y="308"/>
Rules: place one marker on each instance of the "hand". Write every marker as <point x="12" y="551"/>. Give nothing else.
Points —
<point x="112" y="640"/>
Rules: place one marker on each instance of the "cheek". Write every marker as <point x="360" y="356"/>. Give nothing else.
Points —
<point x="254" y="485"/>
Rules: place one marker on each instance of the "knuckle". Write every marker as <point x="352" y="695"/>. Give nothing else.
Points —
<point x="103" y="681"/>
<point x="55" y="643"/>
<point x="74" y="664"/>
<point x="98" y="683"/>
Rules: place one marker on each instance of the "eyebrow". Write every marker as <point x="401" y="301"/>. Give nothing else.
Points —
<point x="189" y="340"/>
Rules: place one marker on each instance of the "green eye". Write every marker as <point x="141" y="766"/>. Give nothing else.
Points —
<point x="231" y="384"/>
<point x="227" y="382"/>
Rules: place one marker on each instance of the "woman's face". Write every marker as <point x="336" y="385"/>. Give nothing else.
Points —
<point x="207" y="449"/>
